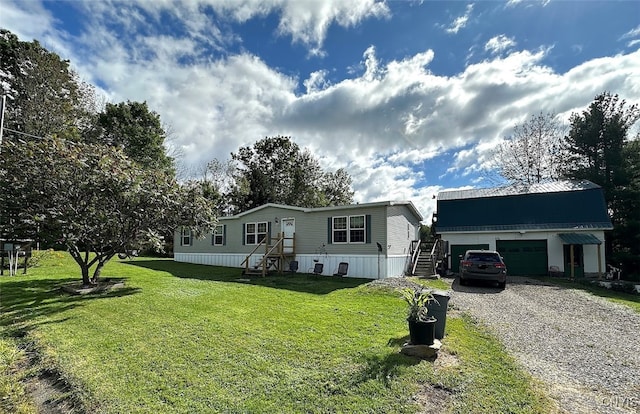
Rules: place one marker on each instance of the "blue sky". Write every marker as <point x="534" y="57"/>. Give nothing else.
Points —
<point x="411" y="97"/>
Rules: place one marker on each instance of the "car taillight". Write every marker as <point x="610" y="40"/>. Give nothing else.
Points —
<point x="500" y="266"/>
<point x="465" y="263"/>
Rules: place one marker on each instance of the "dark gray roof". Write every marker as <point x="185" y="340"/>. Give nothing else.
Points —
<point x="545" y="187"/>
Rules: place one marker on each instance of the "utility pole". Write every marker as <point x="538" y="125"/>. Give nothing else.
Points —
<point x="3" y="103"/>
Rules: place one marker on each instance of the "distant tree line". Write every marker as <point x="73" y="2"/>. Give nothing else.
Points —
<point x="97" y="178"/>
<point x="596" y="147"/>
<point x="274" y="170"/>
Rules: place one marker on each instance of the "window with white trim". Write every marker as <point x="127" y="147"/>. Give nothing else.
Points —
<point x="339" y="230"/>
<point x="254" y="233"/>
<point x="185" y="236"/>
<point x="217" y="239"/>
<point x="349" y="229"/>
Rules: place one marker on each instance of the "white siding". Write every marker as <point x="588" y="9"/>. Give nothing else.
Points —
<point x="212" y="259"/>
<point x="362" y="266"/>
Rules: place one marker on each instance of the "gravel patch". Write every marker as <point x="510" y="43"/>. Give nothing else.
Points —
<point x="584" y="347"/>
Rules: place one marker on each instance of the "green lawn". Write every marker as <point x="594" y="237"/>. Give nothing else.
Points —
<point x="627" y="299"/>
<point x="185" y="338"/>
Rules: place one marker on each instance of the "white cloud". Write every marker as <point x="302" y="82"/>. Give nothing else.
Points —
<point x="316" y="81"/>
<point x="460" y="22"/>
<point x="307" y="22"/>
<point x="631" y="33"/>
<point x="499" y="44"/>
<point x="381" y="123"/>
<point x="634" y="35"/>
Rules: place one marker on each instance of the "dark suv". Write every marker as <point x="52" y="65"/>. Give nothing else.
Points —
<point x="483" y="265"/>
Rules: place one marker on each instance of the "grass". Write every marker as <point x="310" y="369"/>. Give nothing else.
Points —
<point x="188" y="338"/>
<point x="627" y="299"/>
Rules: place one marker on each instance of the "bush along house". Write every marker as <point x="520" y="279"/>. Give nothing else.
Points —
<point x="546" y="228"/>
<point x="373" y="239"/>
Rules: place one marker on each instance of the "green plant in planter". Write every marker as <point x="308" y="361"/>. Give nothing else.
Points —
<point x="417" y="299"/>
<point x="421" y="324"/>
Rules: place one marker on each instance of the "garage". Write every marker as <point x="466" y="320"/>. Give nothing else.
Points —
<point x="460" y="249"/>
<point x="524" y="257"/>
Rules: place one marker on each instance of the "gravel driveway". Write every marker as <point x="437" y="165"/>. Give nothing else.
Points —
<point x="585" y="348"/>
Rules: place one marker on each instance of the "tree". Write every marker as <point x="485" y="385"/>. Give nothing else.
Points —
<point x="626" y="234"/>
<point x="599" y="151"/>
<point x="533" y="153"/>
<point x="336" y="188"/>
<point x="276" y="170"/>
<point x="137" y="130"/>
<point x="93" y="199"/>
<point x="595" y="142"/>
<point x="44" y="96"/>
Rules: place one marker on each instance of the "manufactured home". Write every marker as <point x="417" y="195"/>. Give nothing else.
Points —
<point x="374" y="239"/>
<point x="553" y="227"/>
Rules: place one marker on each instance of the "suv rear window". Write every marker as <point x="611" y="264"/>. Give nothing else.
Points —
<point x="483" y="257"/>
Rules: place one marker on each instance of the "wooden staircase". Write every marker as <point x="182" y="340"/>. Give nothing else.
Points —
<point x="273" y="254"/>
<point x="425" y="257"/>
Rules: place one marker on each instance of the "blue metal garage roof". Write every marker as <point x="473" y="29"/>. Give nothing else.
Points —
<point x="569" y="205"/>
<point x="579" y="238"/>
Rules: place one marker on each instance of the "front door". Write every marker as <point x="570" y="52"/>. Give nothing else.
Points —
<point x="573" y="252"/>
<point x="288" y="228"/>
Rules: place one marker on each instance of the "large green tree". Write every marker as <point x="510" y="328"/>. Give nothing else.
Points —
<point x="626" y="234"/>
<point x="595" y="143"/>
<point x="277" y="170"/>
<point x="93" y="199"/>
<point x="44" y="96"/>
<point x="600" y="151"/>
<point x="137" y="130"/>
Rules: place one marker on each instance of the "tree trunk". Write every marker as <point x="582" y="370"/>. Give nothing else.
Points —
<point x="101" y="262"/>
<point x="84" y="266"/>
<point x="85" y="275"/>
<point x="98" y="271"/>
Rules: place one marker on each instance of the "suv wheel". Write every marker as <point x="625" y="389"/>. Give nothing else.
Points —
<point x="502" y="285"/>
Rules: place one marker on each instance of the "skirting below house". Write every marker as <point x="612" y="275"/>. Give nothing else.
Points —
<point x="361" y="266"/>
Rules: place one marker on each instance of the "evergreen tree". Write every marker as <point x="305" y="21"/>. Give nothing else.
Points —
<point x="599" y="151"/>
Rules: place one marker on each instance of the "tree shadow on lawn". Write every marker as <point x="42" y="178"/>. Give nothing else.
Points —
<point x="27" y="300"/>
<point x="298" y="282"/>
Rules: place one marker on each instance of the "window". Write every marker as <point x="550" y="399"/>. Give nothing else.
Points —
<point x="351" y="229"/>
<point x="254" y="233"/>
<point x="218" y="235"/>
<point x="356" y="229"/>
<point x="185" y="236"/>
<point x="340" y="230"/>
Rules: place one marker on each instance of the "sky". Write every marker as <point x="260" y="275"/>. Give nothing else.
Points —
<point x="410" y="97"/>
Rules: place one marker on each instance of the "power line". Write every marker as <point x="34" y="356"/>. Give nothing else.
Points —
<point x="24" y="133"/>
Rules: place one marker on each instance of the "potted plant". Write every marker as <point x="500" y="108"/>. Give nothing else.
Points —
<point x="421" y="324"/>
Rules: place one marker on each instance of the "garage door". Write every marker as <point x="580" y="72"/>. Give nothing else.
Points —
<point x="460" y="249"/>
<point x="524" y="257"/>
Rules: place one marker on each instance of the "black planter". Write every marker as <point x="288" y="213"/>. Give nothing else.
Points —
<point x="422" y="332"/>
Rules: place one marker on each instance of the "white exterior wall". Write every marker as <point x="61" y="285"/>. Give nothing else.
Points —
<point x="362" y="266"/>
<point x="555" y="252"/>
<point x="211" y="259"/>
